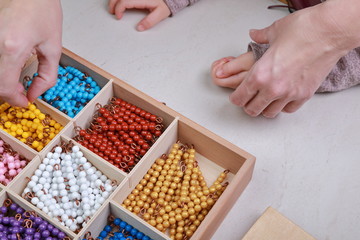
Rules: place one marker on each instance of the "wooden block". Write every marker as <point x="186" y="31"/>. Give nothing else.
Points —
<point x="274" y="226"/>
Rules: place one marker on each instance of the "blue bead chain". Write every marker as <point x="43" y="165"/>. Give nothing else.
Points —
<point x="73" y="90"/>
<point x="120" y="230"/>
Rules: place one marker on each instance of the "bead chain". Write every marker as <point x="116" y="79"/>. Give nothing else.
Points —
<point x="11" y="163"/>
<point x="121" y="133"/>
<point x="173" y="194"/>
<point x="29" y="125"/>
<point x="67" y="187"/>
<point x="16" y="224"/>
<point x="73" y="90"/>
<point x="118" y="229"/>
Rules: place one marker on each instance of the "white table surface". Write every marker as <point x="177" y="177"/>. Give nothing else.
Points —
<point x="308" y="162"/>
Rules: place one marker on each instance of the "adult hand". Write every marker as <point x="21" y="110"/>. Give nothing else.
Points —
<point x="304" y="46"/>
<point x="26" y="27"/>
<point x="158" y="11"/>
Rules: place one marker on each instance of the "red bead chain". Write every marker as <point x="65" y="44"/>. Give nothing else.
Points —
<point x="121" y="133"/>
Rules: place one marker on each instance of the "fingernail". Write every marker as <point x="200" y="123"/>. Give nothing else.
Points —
<point x="140" y="28"/>
<point x="219" y="73"/>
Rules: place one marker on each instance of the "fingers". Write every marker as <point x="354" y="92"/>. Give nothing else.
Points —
<point x="47" y="73"/>
<point x="119" y="9"/>
<point x="267" y="101"/>
<point x="243" y="93"/>
<point x="260" y="103"/>
<point x="153" y="18"/>
<point x="121" y="6"/>
<point x="260" y="36"/>
<point x="256" y="93"/>
<point x="16" y="96"/>
<point x="11" y="90"/>
<point x="282" y="106"/>
<point x="231" y="82"/>
<point x="242" y="63"/>
<point x="273" y="109"/>
<point x="215" y="65"/>
<point x="111" y="6"/>
<point x="221" y="61"/>
<point x="158" y="11"/>
<point x="293" y="106"/>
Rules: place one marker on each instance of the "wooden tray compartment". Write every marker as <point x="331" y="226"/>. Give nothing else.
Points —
<point x="116" y="90"/>
<point x="213" y="158"/>
<point x="66" y="60"/>
<point x="17" y="145"/>
<point x="28" y="207"/>
<point x="20" y="148"/>
<point x="55" y="114"/>
<point x="98" y="224"/>
<point x="214" y="154"/>
<point x="107" y="169"/>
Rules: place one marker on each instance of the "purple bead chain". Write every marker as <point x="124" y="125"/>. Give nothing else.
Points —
<point x="16" y="223"/>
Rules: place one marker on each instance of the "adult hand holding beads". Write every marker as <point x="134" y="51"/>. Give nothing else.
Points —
<point x="158" y="11"/>
<point x="25" y="27"/>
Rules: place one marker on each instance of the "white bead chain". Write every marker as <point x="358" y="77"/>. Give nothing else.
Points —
<point x="67" y="187"/>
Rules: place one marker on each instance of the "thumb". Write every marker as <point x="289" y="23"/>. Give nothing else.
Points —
<point x="47" y="75"/>
<point x="152" y="19"/>
<point x="259" y="35"/>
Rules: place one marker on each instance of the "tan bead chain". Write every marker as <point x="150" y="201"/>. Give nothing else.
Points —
<point x="173" y="195"/>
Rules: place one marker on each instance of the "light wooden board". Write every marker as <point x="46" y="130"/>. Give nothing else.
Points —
<point x="274" y="226"/>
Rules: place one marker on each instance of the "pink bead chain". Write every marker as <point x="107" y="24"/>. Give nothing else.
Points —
<point x="11" y="163"/>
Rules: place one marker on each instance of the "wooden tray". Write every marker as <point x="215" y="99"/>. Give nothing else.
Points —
<point x="214" y="154"/>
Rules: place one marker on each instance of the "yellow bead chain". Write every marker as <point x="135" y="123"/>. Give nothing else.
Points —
<point x="29" y="125"/>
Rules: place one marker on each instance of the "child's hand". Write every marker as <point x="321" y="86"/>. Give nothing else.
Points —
<point x="236" y="69"/>
<point x="158" y="11"/>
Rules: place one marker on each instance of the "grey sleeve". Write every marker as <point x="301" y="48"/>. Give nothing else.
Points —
<point x="345" y="74"/>
<point x="177" y="5"/>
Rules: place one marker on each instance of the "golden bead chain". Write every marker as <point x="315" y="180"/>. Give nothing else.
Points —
<point x="173" y="195"/>
<point x="29" y="125"/>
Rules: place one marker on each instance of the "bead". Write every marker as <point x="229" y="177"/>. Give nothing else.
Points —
<point x="69" y="187"/>
<point x="58" y="150"/>
<point x="108" y="188"/>
<point x="35" y="200"/>
<point x="25" y="125"/>
<point x="71" y="92"/>
<point x="79" y="154"/>
<point x="123" y="129"/>
<point x="49" y="168"/>
<point x="11" y="164"/>
<point x="119" y="233"/>
<point x="173" y="181"/>
<point x="75" y="149"/>
<point x="11" y="223"/>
